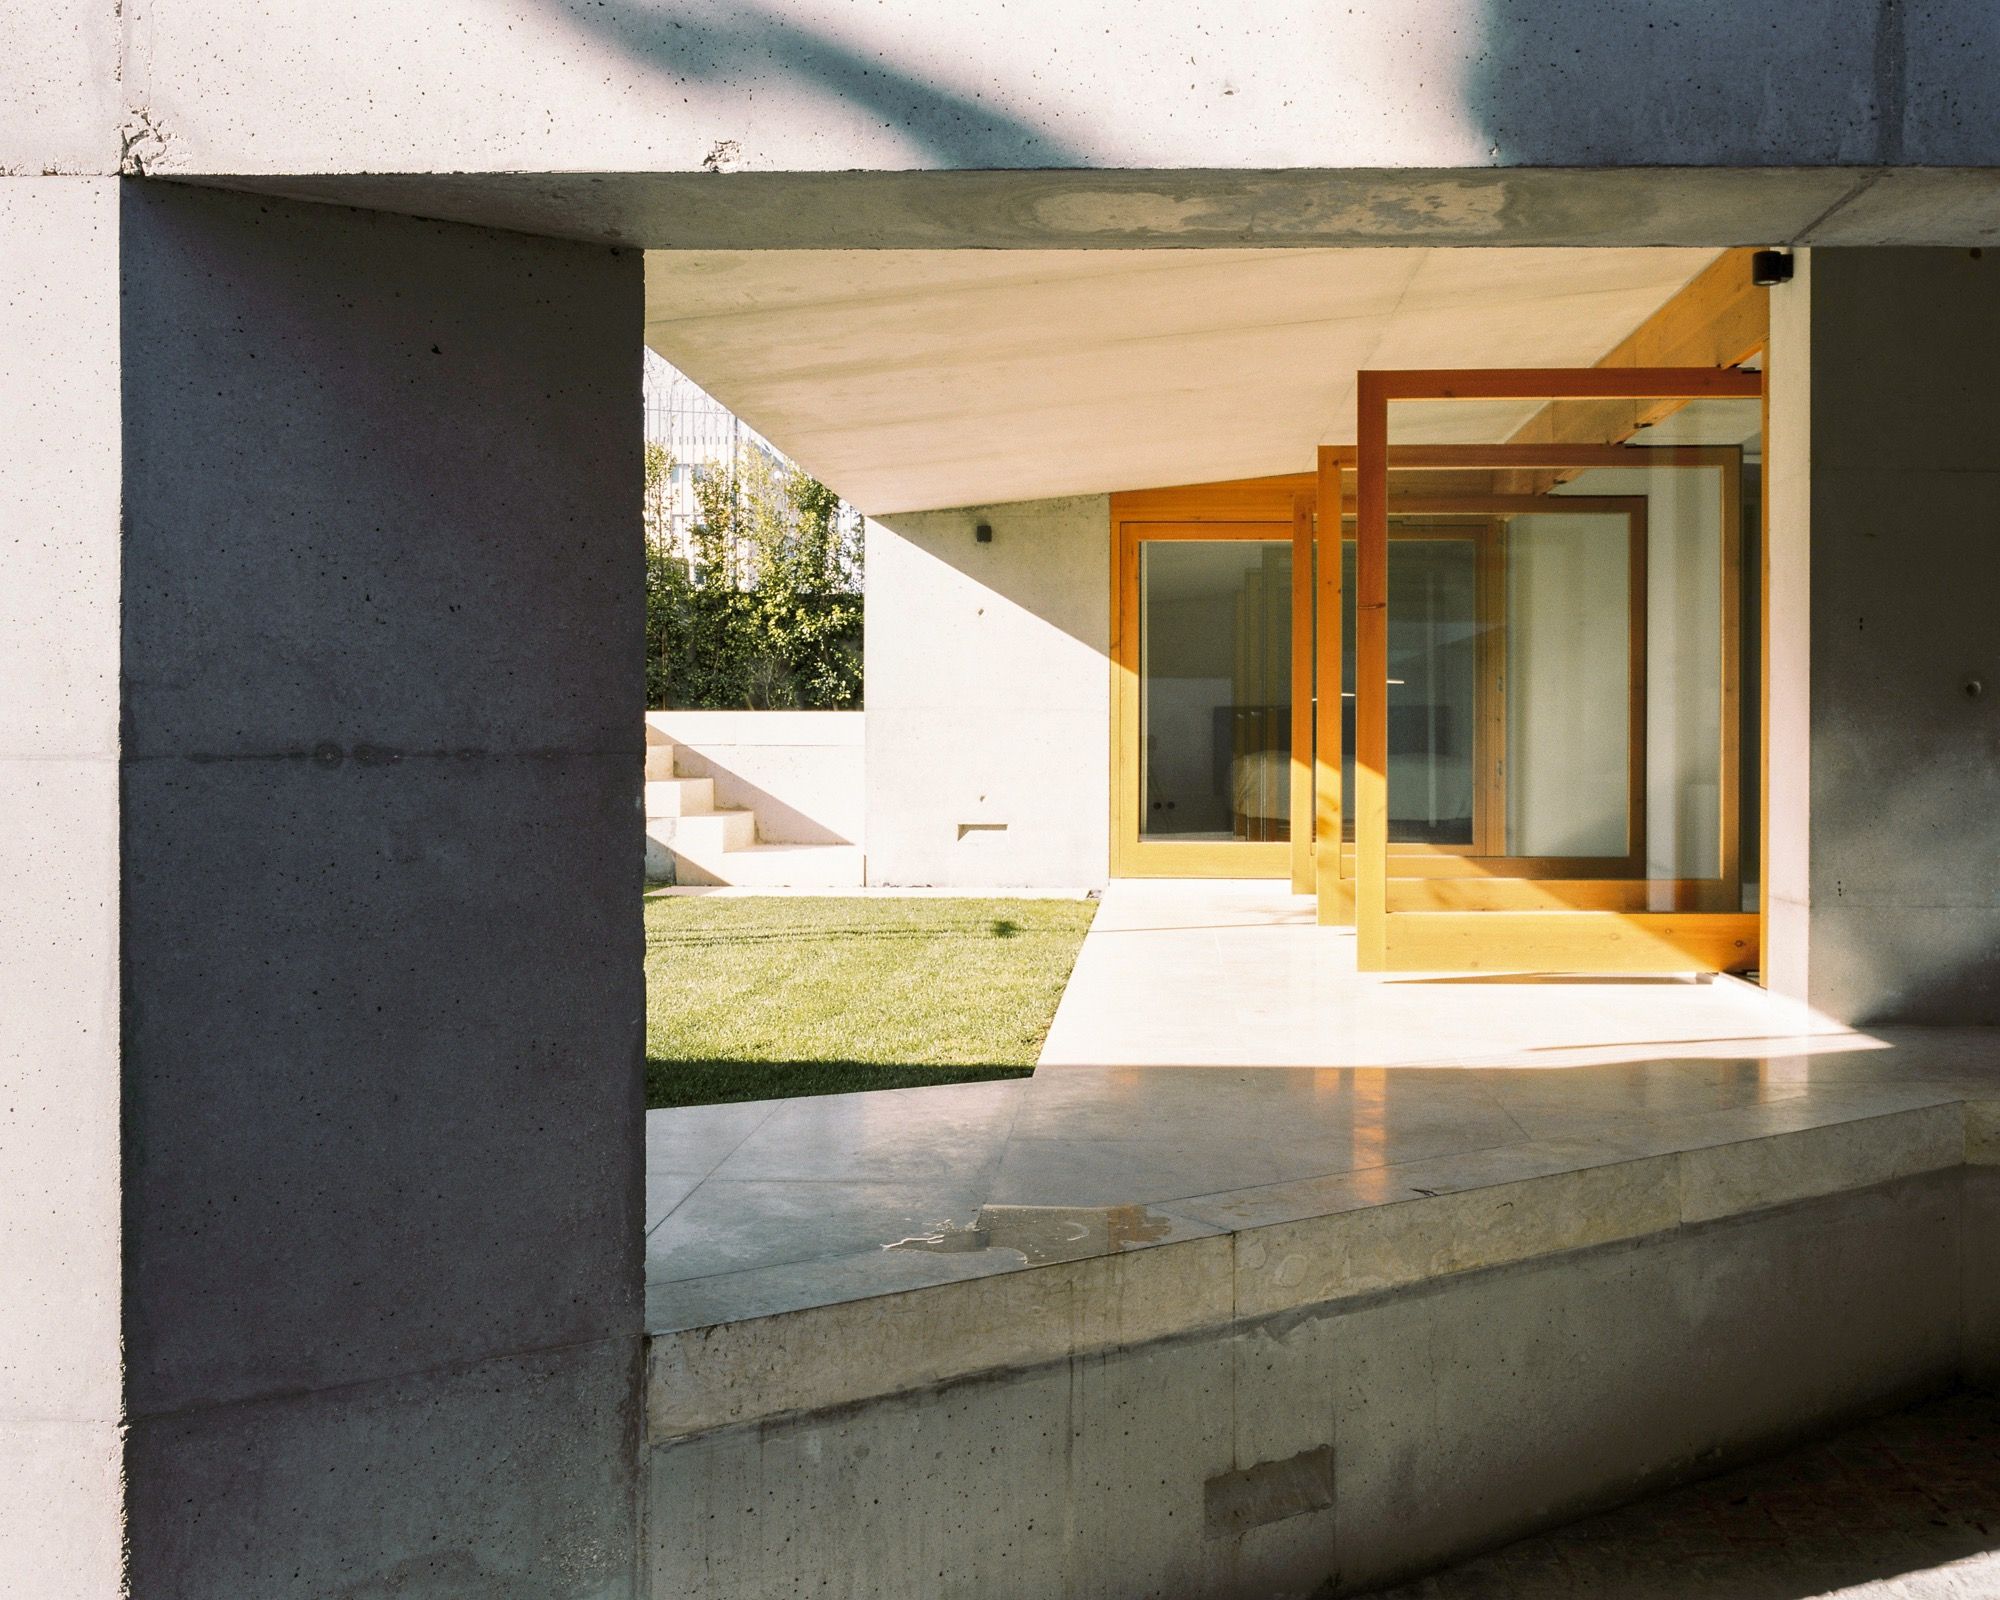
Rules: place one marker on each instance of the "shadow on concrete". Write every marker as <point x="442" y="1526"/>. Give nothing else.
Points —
<point x="778" y="820"/>
<point x="1831" y="91"/>
<point x="1042" y="588"/>
<point x="744" y="43"/>
<point x="705" y="1083"/>
<point x="1902" y="1506"/>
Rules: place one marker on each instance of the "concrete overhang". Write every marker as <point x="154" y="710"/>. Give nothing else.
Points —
<point x="918" y="379"/>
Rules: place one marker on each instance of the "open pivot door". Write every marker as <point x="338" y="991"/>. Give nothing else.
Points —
<point x="1536" y="597"/>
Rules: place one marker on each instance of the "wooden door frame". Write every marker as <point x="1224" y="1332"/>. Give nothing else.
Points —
<point x="1251" y="513"/>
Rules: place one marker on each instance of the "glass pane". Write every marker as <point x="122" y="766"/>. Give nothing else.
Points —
<point x="1568" y="632"/>
<point x="1215" y="689"/>
<point x="1617" y="737"/>
<point x="1434" y="682"/>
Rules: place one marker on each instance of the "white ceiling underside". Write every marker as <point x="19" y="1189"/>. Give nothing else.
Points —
<point x="916" y="379"/>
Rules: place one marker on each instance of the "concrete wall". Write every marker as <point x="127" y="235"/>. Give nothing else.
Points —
<point x="825" y="85"/>
<point x="381" y="949"/>
<point x="1333" y="1448"/>
<point x="61" y="1501"/>
<point x="802" y="772"/>
<point x="1903" y="875"/>
<point x="989" y="698"/>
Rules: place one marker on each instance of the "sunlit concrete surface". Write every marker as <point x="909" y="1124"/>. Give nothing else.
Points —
<point x="771" y="1206"/>
<point x="1239" y="974"/>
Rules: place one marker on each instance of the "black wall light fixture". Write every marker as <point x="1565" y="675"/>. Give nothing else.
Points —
<point x="1769" y="268"/>
<point x="983" y="533"/>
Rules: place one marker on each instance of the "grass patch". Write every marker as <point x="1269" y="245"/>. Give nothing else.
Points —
<point x="761" y="997"/>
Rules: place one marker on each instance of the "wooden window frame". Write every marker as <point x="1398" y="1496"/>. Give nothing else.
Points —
<point x="1510" y="936"/>
<point x="1490" y="823"/>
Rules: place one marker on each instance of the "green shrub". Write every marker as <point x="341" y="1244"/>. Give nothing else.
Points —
<point x="763" y="610"/>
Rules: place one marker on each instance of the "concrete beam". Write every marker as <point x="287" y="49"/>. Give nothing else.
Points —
<point x="204" y="87"/>
<point x="1199" y="207"/>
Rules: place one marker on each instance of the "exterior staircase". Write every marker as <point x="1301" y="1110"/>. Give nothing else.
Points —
<point x="692" y="841"/>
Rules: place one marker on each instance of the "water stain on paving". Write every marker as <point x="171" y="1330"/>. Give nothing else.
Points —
<point x="1042" y="1234"/>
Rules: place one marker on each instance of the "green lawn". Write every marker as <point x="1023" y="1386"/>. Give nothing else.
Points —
<point x="758" y="997"/>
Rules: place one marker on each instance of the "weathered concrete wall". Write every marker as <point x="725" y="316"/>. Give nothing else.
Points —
<point x="824" y="85"/>
<point x="60" y="1452"/>
<point x="1904" y="875"/>
<point x="1982" y="1223"/>
<point x="989" y="697"/>
<point x="1335" y="1447"/>
<point x="381" y="950"/>
<point x="802" y="772"/>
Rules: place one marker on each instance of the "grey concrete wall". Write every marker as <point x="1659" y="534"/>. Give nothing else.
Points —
<point x="61" y="1506"/>
<point x="826" y="85"/>
<point x="989" y="695"/>
<point x="1904" y="843"/>
<point x="1335" y="1448"/>
<point x="380" y="823"/>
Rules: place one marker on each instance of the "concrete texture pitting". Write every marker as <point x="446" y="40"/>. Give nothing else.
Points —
<point x="1903" y="1507"/>
<point x="1252" y="1330"/>
<point x="1304" y="1386"/>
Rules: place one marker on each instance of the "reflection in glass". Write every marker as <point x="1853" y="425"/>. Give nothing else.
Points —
<point x="1215" y="689"/>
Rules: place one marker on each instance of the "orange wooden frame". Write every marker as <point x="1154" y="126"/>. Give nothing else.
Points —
<point x="1399" y="939"/>
<point x="1178" y="515"/>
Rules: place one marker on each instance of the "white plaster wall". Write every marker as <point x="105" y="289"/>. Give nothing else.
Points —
<point x="989" y="700"/>
<point x="61" y="1455"/>
<point x="802" y="772"/>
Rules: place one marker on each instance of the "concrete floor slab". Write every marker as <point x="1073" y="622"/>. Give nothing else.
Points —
<point x="1298" y="1090"/>
<point x="1238" y="973"/>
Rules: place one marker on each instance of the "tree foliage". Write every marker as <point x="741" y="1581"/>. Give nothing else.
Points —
<point x="762" y="608"/>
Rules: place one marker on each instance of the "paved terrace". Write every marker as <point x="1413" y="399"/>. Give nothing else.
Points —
<point x="1303" y="1320"/>
<point x="1247" y="1077"/>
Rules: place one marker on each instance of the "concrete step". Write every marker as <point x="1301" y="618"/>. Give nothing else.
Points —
<point x="679" y="797"/>
<point x="775" y="866"/>
<point x="706" y="836"/>
<point x="659" y="762"/>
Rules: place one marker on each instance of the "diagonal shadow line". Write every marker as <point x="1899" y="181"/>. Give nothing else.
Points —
<point x="738" y="41"/>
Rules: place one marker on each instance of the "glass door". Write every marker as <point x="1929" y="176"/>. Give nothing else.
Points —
<point x="1214" y="700"/>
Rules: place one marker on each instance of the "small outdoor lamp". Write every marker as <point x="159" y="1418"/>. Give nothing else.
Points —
<point x="1769" y="268"/>
<point x="983" y="533"/>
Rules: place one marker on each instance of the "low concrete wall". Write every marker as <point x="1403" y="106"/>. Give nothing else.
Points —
<point x="802" y="772"/>
<point x="989" y="695"/>
<point x="1331" y="1405"/>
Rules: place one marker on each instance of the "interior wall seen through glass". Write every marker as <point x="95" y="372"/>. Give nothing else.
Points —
<point x="1215" y="689"/>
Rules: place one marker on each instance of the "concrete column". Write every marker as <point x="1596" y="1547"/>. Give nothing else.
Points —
<point x="61" y="1504"/>
<point x="1893" y="884"/>
<point x="352" y="894"/>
